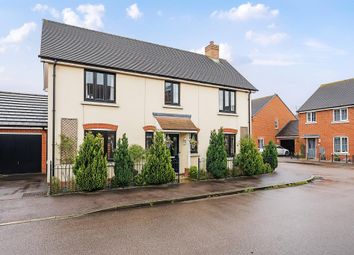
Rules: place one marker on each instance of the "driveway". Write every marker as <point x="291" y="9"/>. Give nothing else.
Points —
<point x="19" y="186"/>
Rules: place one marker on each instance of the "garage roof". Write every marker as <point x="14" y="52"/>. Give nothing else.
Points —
<point x="23" y="110"/>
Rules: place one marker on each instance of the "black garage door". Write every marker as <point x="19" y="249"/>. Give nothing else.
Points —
<point x="20" y="154"/>
<point x="288" y="144"/>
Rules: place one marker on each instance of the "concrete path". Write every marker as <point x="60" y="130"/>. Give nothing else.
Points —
<point x="27" y="208"/>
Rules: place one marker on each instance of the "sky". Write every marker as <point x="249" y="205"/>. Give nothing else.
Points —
<point x="284" y="47"/>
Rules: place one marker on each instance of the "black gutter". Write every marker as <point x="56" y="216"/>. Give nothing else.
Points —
<point x="53" y="116"/>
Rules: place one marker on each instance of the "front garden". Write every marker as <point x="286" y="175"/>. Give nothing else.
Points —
<point x="134" y="166"/>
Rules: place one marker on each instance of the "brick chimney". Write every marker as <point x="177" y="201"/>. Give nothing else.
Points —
<point x="212" y="51"/>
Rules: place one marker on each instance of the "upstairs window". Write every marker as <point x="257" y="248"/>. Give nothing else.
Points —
<point x="227" y="101"/>
<point x="340" y="144"/>
<point x="230" y="144"/>
<point x="311" y="117"/>
<point x="172" y="93"/>
<point x="100" y="86"/>
<point x="340" y="115"/>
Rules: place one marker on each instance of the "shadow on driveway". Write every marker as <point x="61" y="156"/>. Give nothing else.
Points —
<point x="18" y="186"/>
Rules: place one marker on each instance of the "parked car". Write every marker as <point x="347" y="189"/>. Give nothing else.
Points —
<point x="282" y="151"/>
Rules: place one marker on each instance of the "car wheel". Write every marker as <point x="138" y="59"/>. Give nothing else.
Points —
<point x="287" y="153"/>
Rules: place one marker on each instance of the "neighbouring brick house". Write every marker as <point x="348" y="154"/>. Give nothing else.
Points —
<point x="272" y="120"/>
<point x="108" y="84"/>
<point x="326" y="121"/>
<point x="23" y="133"/>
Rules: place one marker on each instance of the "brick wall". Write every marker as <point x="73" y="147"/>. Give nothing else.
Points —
<point x="328" y="130"/>
<point x="44" y="142"/>
<point x="263" y="122"/>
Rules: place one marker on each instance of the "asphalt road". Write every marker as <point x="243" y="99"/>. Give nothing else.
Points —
<point x="316" y="218"/>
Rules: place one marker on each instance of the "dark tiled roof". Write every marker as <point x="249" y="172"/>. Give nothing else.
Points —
<point x="340" y="93"/>
<point x="79" y="45"/>
<point x="259" y="103"/>
<point x="23" y="110"/>
<point x="290" y="129"/>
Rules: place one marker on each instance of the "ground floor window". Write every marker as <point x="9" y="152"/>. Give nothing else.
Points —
<point x="340" y="144"/>
<point x="109" y="141"/>
<point x="194" y="142"/>
<point x="230" y="144"/>
<point x="149" y="139"/>
<point x="260" y="143"/>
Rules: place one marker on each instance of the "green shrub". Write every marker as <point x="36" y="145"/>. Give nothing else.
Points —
<point x="139" y="180"/>
<point x="236" y="172"/>
<point x="123" y="164"/>
<point x="137" y="153"/>
<point x="54" y="185"/>
<point x="158" y="168"/>
<point x="270" y="155"/>
<point x="90" y="166"/>
<point x="67" y="150"/>
<point x="267" y="168"/>
<point x="249" y="160"/>
<point x="216" y="162"/>
<point x="193" y="172"/>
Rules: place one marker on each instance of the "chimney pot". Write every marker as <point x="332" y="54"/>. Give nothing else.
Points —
<point x="212" y="51"/>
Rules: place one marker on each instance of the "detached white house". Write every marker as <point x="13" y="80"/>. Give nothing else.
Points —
<point x="112" y="85"/>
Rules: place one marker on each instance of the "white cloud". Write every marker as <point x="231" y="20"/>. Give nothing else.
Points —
<point x="134" y="12"/>
<point x="225" y="51"/>
<point x="265" y="39"/>
<point x="92" y="16"/>
<point x="246" y="11"/>
<point x="323" y="47"/>
<point x="16" y="36"/>
<point x="45" y="8"/>
<point x="276" y="59"/>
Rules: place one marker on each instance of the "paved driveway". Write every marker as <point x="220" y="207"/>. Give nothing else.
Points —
<point x="18" y="186"/>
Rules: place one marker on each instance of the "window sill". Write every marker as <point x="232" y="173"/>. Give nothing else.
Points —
<point x="100" y="104"/>
<point x="341" y="153"/>
<point x="172" y="106"/>
<point x="340" y="122"/>
<point x="194" y="154"/>
<point x="228" y="114"/>
<point x="309" y="123"/>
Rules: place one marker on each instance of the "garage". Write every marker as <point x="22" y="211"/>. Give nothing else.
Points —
<point x="23" y="133"/>
<point x="288" y="136"/>
<point x="20" y="153"/>
<point x="288" y="144"/>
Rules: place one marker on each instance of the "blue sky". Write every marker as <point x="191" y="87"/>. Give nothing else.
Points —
<point x="283" y="47"/>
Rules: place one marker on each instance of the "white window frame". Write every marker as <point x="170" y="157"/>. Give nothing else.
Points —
<point x="340" y="115"/>
<point x="276" y="124"/>
<point x="260" y="139"/>
<point x="340" y="144"/>
<point x="312" y="119"/>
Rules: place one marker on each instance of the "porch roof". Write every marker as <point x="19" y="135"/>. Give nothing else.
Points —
<point x="175" y="122"/>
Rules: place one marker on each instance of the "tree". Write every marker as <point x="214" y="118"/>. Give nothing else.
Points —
<point x="137" y="153"/>
<point x="158" y="168"/>
<point x="90" y="167"/>
<point x="123" y="164"/>
<point x="216" y="155"/>
<point x="249" y="160"/>
<point x="270" y="155"/>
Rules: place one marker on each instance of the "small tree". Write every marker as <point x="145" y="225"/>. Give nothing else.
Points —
<point x="123" y="164"/>
<point x="216" y="162"/>
<point x="270" y="155"/>
<point x="137" y="153"/>
<point x="90" y="166"/>
<point x="249" y="160"/>
<point x="158" y="168"/>
<point x="67" y="148"/>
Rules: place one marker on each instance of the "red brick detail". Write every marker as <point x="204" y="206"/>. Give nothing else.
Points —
<point x="149" y="128"/>
<point x="230" y="130"/>
<point x="44" y="142"/>
<point x="263" y="125"/>
<point x="327" y="130"/>
<point x="90" y="126"/>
